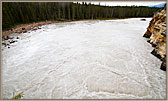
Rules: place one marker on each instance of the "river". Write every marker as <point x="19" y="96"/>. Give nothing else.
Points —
<point x="92" y="59"/>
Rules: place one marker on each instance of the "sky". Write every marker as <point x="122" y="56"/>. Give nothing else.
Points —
<point x="128" y="3"/>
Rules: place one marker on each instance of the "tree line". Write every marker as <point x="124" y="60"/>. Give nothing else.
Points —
<point x="14" y="13"/>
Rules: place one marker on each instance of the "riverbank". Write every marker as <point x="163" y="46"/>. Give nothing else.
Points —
<point x="22" y="28"/>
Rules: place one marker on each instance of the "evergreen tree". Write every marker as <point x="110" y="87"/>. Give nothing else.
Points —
<point x="14" y="13"/>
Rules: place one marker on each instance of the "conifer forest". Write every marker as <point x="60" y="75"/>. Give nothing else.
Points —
<point x="14" y="13"/>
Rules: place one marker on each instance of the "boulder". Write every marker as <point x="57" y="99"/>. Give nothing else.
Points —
<point x="143" y="19"/>
<point x="23" y="28"/>
<point x="17" y="37"/>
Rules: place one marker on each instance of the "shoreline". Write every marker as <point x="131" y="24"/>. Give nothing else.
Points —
<point x="22" y="28"/>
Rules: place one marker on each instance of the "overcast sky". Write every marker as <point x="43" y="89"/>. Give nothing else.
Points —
<point x="128" y="3"/>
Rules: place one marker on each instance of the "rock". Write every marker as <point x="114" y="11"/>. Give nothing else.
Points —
<point x="163" y="65"/>
<point x="23" y="28"/>
<point x="164" y="33"/>
<point x="143" y="19"/>
<point x="155" y="53"/>
<point x="9" y="42"/>
<point x="4" y="44"/>
<point x="5" y="38"/>
<point x="35" y="28"/>
<point x="17" y="37"/>
<point x="148" y="41"/>
<point x="10" y="37"/>
<point x="24" y="31"/>
<point x="147" y="34"/>
<point x="13" y="41"/>
<point x="154" y="45"/>
<point x="156" y="32"/>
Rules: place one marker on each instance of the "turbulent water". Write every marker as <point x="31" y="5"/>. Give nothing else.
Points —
<point x="100" y="59"/>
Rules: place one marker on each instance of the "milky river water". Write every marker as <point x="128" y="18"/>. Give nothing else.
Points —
<point x="99" y="59"/>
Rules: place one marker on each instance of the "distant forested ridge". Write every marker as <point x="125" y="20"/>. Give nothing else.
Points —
<point x="14" y="13"/>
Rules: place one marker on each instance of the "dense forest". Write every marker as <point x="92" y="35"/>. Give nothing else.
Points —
<point x="14" y="13"/>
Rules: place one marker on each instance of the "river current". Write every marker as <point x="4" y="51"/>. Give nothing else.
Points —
<point x="99" y="59"/>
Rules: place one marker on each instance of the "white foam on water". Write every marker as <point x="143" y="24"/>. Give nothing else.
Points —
<point x="84" y="60"/>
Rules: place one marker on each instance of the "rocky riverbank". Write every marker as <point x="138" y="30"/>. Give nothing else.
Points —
<point x="156" y="34"/>
<point x="26" y="27"/>
<point x="7" y="39"/>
